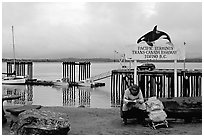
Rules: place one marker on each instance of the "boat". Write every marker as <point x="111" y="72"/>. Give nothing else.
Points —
<point x="86" y="83"/>
<point x="61" y="82"/>
<point x="13" y="78"/>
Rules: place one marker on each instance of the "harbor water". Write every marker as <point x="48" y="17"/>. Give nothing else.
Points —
<point x="71" y="96"/>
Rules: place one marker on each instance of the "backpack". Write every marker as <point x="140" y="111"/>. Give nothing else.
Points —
<point x="155" y="109"/>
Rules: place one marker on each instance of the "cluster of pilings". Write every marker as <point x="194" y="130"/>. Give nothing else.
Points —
<point x="69" y="71"/>
<point x="158" y="83"/>
<point x="21" y="69"/>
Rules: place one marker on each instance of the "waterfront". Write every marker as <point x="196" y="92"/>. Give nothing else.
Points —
<point x="72" y="97"/>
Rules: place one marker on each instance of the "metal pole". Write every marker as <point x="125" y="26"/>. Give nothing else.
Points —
<point x="14" y="56"/>
<point x="135" y="72"/>
<point x="114" y="56"/>
<point x="175" y="77"/>
<point x="184" y="56"/>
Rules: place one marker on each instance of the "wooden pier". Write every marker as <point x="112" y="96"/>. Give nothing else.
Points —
<point x="22" y="69"/>
<point x="69" y="70"/>
<point x="159" y="82"/>
<point x="69" y="73"/>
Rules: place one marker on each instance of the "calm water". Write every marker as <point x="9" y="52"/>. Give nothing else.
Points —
<point x="73" y="97"/>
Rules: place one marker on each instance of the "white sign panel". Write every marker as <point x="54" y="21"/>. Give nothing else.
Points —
<point x="156" y="52"/>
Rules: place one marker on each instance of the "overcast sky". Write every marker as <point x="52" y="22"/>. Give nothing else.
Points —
<point x="86" y="30"/>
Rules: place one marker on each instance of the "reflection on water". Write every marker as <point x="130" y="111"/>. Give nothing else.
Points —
<point x="84" y="98"/>
<point x="25" y="91"/>
<point x="71" y="96"/>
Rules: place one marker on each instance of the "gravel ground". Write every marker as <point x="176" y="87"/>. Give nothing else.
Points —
<point x="94" y="121"/>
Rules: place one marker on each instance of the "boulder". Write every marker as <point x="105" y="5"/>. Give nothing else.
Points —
<point x="183" y="107"/>
<point x="41" y="122"/>
<point x="17" y="110"/>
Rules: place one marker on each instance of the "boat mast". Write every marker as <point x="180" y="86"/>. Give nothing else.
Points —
<point x="14" y="51"/>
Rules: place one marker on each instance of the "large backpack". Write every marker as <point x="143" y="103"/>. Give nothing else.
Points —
<point x="155" y="109"/>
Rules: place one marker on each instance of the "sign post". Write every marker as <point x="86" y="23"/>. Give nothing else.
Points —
<point x="135" y="72"/>
<point x="175" y="77"/>
<point x="156" y="52"/>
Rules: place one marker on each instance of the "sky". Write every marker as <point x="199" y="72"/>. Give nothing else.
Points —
<point x="95" y="29"/>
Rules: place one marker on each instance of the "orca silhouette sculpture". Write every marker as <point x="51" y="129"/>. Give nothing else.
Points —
<point x="154" y="35"/>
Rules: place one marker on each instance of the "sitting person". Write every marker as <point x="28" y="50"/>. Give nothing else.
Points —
<point x="133" y="98"/>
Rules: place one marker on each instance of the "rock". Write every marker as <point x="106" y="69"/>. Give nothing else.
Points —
<point x="81" y="106"/>
<point x="41" y="122"/>
<point x="17" y="110"/>
<point x="183" y="107"/>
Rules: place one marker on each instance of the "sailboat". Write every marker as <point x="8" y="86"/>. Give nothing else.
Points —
<point x="13" y="78"/>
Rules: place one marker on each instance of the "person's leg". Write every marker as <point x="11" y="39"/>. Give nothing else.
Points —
<point x="141" y="117"/>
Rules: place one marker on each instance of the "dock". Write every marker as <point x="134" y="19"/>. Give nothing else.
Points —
<point x="159" y="82"/>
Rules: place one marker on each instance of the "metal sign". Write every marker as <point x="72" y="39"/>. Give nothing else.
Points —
<point x="154" y="45"/>
<point x="157" y="52"/>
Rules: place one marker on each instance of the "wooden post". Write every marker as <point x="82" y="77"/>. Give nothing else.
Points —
<point x="23" y="73"/>
<point x="84" y="71"/>
<point x="175" y="78"/>
<point x="74" y="72"/>
<point x="113" y="92"/>
<point x="71" y="71"/>
<point x="63" y="68"/>
<point x="31" y="75"/>
<point x="162" y="86"/>
<point x="112" y="88"/>
<point x="89" y="69"/>
<point x="152" y="86"/>
<point x="79" y="72"/>
<point x="85" y="66"/>
<point x="196" y="85"/>
<point x="16" y="66"/>
<point x="119" y="89"/>
<point x="142" y="85"/>
<point x="67" y="70"/>
<point x="135" y="72"/>
<point x="20" y="68"/>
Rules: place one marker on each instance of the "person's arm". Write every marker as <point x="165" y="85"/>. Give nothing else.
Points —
<point x="140" y="97"/>
<point x="126" y="98"/>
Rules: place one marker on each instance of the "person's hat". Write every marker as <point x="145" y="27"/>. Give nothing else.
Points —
<point x="134" y="89"/>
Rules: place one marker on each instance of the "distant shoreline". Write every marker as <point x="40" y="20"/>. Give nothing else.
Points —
<point x="94" y="60"/>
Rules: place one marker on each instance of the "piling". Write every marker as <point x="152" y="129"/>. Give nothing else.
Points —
<point x="69" y="71"/>
<point x="159" y="83"/>
<point x="20" y="69"/>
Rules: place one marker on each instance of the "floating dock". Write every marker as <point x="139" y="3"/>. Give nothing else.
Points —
<point x="51" y="83"/>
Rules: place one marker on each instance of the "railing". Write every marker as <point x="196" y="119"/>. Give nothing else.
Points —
<point x="100" y="76"/>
